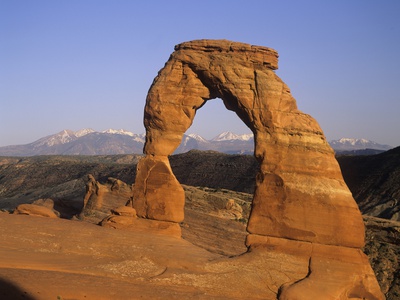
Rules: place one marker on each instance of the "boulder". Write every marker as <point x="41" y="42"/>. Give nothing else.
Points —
<point x="233" y="209"/>
<point x="126" y="211"/>
<point x="46" y="202"/>
<point x="35" y="210"/>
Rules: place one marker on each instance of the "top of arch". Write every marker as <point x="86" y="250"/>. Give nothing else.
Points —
<point x="258" y="54"/>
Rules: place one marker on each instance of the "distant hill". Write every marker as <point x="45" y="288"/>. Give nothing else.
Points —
<point x="375" y="182"/>
<point x="359" y="152"/>
<point x="216" y="170"/>
<point x="373" y="179"/>
<point x="111" y="141"/>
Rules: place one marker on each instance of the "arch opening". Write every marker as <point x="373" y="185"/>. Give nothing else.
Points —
<point x="223" y="200"/>
<point x="213" y="117"/>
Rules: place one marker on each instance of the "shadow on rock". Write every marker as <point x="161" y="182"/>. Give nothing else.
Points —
<point x="9" y="290"/>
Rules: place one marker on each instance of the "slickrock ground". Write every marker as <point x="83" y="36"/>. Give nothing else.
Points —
<point x="49" y="258"/>
<point x="44" y="258"/>
<point x="22" y="178"/>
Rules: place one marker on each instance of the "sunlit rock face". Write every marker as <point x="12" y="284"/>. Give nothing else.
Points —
<point x="101" y="198"/>
<point x="300" y="194"/>
<point x="300" y="191"/>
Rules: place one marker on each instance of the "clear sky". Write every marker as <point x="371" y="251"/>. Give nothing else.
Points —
<point x="89" y="63"/>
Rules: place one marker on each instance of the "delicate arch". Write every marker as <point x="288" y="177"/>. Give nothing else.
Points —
<point x="301" y="207"/>
<point x="298" y="175"/>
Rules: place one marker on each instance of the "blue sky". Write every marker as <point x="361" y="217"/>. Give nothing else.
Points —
<point x="89" y="64"/>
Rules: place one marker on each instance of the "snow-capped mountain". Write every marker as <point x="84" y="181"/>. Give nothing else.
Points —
<point x="111" y="141"/>
<point x="83" y="132"/>
<point x="82" y="142"/>
<point x="349" y="144"/>
<point x="119" y="131"/>
<point x="194" y="141"/>
<point x="197" y="137"/>
<point x="62" y="137"/>
<point x="140" y="138"/>
<point x="229" y="136"/>
<point x="226" y="142"/>
<point x="67" y="136"/>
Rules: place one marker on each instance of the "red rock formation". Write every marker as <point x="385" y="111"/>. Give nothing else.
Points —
<point x="163" y="196"/>
<point x="34" y="210"/>
<point x="300" y="193"/>
<point x="100" y="199"/>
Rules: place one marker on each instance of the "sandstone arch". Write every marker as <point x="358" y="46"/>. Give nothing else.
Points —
<point x="300" y="202"/>
<point x="299" y="174"/>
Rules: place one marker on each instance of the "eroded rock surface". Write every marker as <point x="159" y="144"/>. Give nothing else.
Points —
<point x="383" y="250"/>
<point x="299" y="174"/>
<point x="163" y="196"/>
<point x="34" y="210"/>
<point x="100" y="199"/>
<point x="300" y="194"/>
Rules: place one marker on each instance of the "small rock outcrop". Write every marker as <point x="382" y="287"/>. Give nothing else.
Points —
<point x="124" y="217"/>
<point x="120" y="217"/>
<point x="234" y="209"/>
<point x="301" y="204"/>
<point x="100" y="199"/>
<point x="35" y="210"/>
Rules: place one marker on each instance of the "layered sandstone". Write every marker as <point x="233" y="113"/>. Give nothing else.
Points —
<point x="100" y="198"/>
<point x="300" y="194"/>
<point x="299" y="174"/>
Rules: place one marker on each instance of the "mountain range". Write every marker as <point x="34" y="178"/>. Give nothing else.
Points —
<point x="111" y="141"/>
<point x="346" y="144"/>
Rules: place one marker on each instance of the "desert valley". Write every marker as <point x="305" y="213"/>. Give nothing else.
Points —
<point x="286" y="223"/>
<point x="211" y="182"/>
